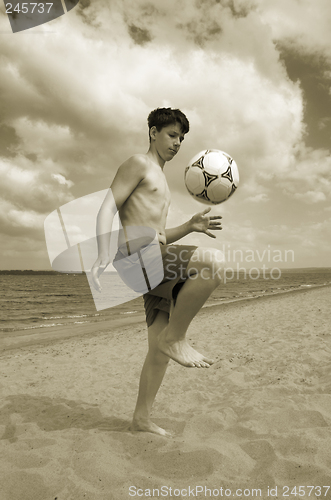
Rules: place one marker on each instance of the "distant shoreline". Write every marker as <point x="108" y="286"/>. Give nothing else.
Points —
<point x="22" y="272"/>
<point x="28" y="271"/>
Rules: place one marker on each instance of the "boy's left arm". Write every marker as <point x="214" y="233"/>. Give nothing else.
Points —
<point x="200" y="223"/>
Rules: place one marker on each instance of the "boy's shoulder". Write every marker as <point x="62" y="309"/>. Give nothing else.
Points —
<point x="139" y="159"/>
<point x="138" y="165"/>
<point x="132" y="171"/>
<point x="136" y="161"/>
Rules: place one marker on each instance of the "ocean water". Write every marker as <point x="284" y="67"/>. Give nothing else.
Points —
<point x="29" y="301"/>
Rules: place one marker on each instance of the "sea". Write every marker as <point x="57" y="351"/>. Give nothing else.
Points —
<point x="33" y="301"/>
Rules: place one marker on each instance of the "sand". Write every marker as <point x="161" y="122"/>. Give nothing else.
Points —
<point x="259" y="418"/>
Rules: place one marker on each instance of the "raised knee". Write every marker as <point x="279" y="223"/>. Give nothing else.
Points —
<point x="217" y="257"/>
<point x="208" y="262"/>
<point x="216" y="266"/>
<point x="212" y="258"/>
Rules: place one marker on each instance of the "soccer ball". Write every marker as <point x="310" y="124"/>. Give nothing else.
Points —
<point x="212" y="176"/>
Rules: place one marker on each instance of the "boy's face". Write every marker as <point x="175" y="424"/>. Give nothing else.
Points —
<point x="167" y="142"/>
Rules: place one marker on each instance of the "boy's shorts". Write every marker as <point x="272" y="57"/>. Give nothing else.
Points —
<point x="173" y="258"/>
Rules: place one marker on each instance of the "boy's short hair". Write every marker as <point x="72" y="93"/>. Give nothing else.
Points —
<point x="162" y="117"/>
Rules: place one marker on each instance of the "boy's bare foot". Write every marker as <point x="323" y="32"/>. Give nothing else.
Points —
<point x="181" y="352"/>
<point x="145" y="425"/>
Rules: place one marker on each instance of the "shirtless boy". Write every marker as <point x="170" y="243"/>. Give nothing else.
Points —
<point x="141" y="194"/>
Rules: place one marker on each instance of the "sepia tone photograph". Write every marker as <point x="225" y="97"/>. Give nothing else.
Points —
<point x="165" y="265"/>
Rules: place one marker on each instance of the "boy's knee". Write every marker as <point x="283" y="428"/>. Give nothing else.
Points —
<point x="216" y="264"/>
<point x="217" y="257"/>
<point x="211" y="257"/>
<point x="209" y="262"/>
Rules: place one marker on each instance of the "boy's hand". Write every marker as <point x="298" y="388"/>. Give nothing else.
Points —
<point x="97" y="269"/>
<point x="202" y="223"/>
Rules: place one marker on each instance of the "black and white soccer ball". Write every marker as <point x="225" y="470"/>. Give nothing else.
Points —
<point x="212" y="176"/>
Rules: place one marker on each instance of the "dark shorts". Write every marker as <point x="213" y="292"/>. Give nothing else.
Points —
<point x="175" y="259"/>
<point x="155" y="270"/>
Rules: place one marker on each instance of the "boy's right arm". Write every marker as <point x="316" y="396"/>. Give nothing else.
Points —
<point x="127" y="178"/>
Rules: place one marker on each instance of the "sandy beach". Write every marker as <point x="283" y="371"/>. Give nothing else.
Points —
<point x="258" y="419"/>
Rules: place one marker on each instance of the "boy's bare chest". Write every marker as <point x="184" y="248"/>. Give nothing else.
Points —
<point x="148" y="204"/>
<point x="155" y="186"/>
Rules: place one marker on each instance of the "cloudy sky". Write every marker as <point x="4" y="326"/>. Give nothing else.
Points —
<point x="252" y="76"/>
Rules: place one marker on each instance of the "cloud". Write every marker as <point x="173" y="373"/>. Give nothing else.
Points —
<point x="311" y="34"/>
<point x="16" y="222"/>
<point x="61" y="180"/>
<point x="139" y="36"/>
<point x="8" y="140"/>
<point x="308" y="176"/>
<point x="75" y="105"/>
<point x="258" y="198"/>
<point x="306" y="244"/>
<point x="311" y="196"/>
<point x="324" y="122"/>
<point x="29" y="188"/>
<point x="239" y="98"/>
